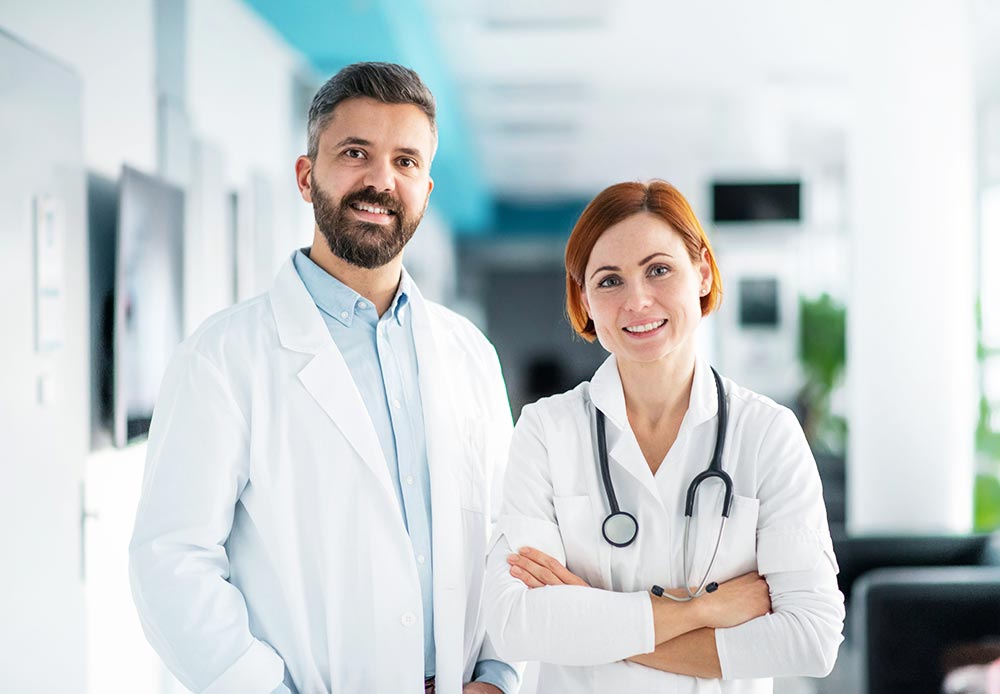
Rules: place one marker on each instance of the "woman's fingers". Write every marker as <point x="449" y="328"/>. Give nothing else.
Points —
<point x="543" y="568"/>
<point x="525" y="577"/>
<point x="539" y="572"/>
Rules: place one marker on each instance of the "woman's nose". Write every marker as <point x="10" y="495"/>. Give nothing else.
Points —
<point x="638" y="298"/>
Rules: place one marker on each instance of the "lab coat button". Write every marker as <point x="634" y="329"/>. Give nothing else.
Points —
<point x="421" y="559"/>
<point x="408" y="619"/>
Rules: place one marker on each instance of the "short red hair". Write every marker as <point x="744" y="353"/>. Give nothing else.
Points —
<point x="616" y="204"/>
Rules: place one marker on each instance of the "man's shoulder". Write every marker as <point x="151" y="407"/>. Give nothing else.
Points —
<point x="233" y="326"/>
<point x="458" y="326"/>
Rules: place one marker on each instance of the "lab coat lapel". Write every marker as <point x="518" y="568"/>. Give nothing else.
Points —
<point x="607" y="395"/>
<point x="326" y="376"/>
<point x="444" y="454"/>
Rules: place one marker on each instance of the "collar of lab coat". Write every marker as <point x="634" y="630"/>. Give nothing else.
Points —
<point x="607" y="394"/>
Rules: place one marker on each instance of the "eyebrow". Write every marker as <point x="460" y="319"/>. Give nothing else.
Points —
<point x="642" y="262"/>
<point x="354" y="141"/>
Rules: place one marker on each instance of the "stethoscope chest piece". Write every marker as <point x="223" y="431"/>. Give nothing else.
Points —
<point x="620" y="529"/>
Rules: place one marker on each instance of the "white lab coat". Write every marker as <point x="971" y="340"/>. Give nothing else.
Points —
<point x="554" y="500"/>
<point x="269" y="541"/>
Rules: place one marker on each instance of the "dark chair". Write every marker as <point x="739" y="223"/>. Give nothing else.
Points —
<point x="904" y="621"/>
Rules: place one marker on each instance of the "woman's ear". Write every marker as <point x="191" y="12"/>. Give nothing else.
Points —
<point x="705" y="271"/>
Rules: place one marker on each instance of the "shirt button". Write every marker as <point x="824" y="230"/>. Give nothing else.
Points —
<point x="408" y="619"/>
<point x="421" y="559"/>
<point x="344" y="314"/>
<point x="409" y="479"/>
<point x="362" y="305"/>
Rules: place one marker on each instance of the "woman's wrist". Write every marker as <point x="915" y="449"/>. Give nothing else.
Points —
<point x="672" y="618"/>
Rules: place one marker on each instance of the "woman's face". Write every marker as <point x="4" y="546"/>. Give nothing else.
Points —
<point x="642" y="290"/>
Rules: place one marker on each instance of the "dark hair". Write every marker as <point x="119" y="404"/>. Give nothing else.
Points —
<point x="385" y="82"/>
<point x="616" y="204"/>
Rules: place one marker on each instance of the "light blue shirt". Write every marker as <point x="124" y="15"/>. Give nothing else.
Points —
<point x="382" y="358"/>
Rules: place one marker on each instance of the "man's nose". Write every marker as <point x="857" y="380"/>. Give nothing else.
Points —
<point x="380" y="176"/>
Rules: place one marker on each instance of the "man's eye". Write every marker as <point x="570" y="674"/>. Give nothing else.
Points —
<point x="354" y="153"/>
<point x="407" y="163"/>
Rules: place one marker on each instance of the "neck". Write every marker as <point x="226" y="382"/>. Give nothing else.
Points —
<point x="378" y="285"/>
<point x="658" y="390"/>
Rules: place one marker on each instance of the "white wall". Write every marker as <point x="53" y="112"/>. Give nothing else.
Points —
<point x="109" y="43"/>
<point x="243" y="90"/>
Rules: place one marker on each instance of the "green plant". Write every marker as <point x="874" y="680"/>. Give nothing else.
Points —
<point x="823" y="354"/>
<point x="986" y="493"/>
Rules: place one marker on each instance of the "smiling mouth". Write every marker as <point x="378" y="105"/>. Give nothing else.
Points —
<point x="371" y="209"/>
<point x="645" y="327"/>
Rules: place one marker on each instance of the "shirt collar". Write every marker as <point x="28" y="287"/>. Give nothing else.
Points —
<point x="607" y="394"/>
<point x="339" y="301"/>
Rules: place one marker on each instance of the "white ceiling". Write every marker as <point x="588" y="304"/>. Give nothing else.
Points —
<point x="565" y="96"/>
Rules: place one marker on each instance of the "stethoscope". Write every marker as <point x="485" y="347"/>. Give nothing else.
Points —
<point x="620" y="528"/>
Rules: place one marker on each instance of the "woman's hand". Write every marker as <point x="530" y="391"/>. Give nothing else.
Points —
<point x="736" y="601"/>
<point x="535" y="569"/>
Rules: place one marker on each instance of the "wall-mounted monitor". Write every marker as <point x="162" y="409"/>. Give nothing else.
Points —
<point x="773" y="201"/>
<point x="148" y="296"/>
<point x="759" y="302"/>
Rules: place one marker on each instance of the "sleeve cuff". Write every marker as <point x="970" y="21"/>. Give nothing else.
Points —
<point x="499" y="674"/>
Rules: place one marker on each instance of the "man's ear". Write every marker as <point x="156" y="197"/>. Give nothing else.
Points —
<point x="303" y="173"/>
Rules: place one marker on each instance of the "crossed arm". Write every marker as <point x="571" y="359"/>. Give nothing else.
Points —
<point x="685" y="632"/>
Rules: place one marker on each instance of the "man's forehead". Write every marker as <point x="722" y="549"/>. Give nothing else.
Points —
<point x="361" y="120"/>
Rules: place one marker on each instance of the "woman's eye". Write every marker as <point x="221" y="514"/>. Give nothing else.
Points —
<point x="659" y="270"/>
<point x="609" y="281"/>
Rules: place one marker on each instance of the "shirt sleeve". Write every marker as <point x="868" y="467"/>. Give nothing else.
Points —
<point x="499" y="674"/>
<point x="564" y="625"/>
<point x="804" y="630"/>
<point x="197" y="466"/>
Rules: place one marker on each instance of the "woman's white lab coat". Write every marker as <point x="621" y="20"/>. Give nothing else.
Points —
<point x="269" y="536"/>
<point x="554" y="500"/>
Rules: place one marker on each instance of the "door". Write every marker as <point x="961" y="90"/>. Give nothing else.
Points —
<point x="44" y="373"/>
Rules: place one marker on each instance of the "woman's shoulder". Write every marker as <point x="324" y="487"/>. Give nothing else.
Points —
<point x="749" y="404"/>
<point x="558" y="408"/>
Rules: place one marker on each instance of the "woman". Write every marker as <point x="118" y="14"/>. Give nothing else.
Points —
<point x="640" y="277"/>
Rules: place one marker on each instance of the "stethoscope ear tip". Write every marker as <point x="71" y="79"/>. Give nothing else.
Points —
<point x="711" y="587"/>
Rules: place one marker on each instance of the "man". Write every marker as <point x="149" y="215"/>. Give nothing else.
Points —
<point x="317" y="494"/>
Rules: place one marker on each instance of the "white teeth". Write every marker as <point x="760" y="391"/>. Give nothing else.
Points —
<point x="645" y="328"/>
<point x="369" y="208"/>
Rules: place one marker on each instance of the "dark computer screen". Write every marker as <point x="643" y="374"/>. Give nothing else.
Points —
<point x="756" y="202"/>
<point x="148" y="318"/>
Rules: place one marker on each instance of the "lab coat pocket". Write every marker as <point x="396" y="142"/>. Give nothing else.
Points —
<point x="737" y="553"/>
<point x="581" y="536"/>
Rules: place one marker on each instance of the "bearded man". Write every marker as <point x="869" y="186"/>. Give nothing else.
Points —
<point x="323" y="459"/>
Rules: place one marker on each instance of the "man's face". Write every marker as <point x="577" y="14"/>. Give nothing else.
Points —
<point x="370" y="183"/>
